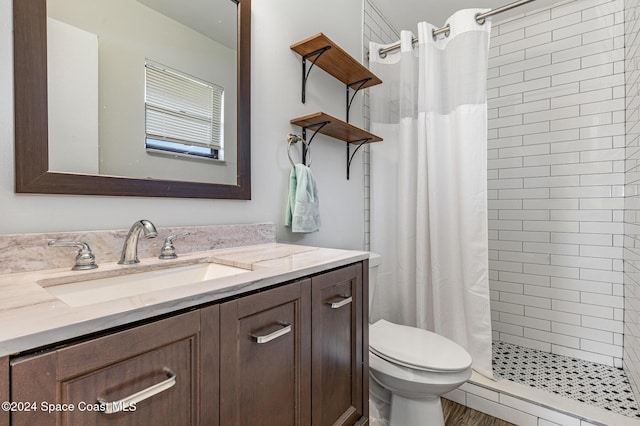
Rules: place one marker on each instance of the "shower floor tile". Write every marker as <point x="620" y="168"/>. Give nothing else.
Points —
<point x="595" y="384"/>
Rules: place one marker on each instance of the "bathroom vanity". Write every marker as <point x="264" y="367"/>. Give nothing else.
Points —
<point x="282" y="343"/>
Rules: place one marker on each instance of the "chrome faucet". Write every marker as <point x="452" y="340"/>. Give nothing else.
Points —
<point x="129" y="254"/>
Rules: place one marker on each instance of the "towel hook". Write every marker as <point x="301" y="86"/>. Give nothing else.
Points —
<point x="306" y="152"/>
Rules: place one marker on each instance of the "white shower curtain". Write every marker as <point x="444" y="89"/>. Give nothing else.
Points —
<point x="429" y="184"/>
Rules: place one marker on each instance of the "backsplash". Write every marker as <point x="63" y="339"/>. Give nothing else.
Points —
<point x="30" y="252"/>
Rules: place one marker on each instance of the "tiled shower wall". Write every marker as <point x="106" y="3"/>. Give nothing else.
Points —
<point x="377" y="29"/>
<point x="632" y="194"/>
<point x="556" y="179"/>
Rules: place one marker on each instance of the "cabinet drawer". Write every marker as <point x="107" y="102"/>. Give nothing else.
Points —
<point x="145" y="375"/>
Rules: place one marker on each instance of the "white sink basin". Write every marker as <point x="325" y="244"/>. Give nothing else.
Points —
<point x="98" y="290"/>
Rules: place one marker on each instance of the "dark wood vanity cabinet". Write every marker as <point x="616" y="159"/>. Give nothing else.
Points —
<point x="337" y="348"/>
<point x="289" y="355"/>
<point x="264" y="363"/>
<point x="78" y="384"/>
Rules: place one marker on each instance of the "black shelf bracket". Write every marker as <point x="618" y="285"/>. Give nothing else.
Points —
<point x="351" y="155"/>
<point x="350" y="97"/>
<point x="305" y="72"/>
<point x="306" y="146"/>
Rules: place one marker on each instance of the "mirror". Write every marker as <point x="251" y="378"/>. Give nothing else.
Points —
<point x="32" y="146"/>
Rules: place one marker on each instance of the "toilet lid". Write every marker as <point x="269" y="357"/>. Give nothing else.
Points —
<point x="416" y="348"/>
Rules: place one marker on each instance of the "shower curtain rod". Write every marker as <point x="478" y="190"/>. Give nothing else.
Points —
<point x="480" y="17"/>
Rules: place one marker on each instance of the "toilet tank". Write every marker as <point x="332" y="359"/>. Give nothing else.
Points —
<point x="374" y="263"/>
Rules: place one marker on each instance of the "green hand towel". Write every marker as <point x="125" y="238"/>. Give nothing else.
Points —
<point x="303" y="209"/>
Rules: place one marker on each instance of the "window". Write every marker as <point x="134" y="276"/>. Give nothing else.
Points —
<point x="183" y="114"/>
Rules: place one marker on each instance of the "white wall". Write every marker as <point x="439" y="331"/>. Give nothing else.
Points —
<point x="556" y="176"/>
<point x="275" y="100"/>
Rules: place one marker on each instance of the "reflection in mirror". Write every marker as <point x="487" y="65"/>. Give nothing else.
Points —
<point x="120" y="117"/>
<point x="97" y="141"/>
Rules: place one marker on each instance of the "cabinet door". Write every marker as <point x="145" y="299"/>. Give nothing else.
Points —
<point x="337" y="348"/>
<point x="264" y="362"/>
<point x="145" y="375"/>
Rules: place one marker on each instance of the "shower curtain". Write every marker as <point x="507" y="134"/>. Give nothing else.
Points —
<point x="429" y="184"/>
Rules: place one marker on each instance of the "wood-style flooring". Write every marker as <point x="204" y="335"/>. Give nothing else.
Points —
<point x="459" y="415"/>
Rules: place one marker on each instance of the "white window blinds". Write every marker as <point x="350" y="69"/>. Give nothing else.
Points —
<point x="182" y="109"/>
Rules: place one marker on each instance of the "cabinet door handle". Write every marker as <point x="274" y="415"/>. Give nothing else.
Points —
<point x="286" y="328"/>
<point x="335" y="304"/>
<point x="123" y="404"/>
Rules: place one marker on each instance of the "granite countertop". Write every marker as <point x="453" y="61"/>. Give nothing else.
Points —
<point x="33" y="317"/>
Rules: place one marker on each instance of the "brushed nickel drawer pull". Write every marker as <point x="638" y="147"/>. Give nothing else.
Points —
<point x="340" y="303"/>
<point x="269" y="337"/>
<point x="123" y="404"/>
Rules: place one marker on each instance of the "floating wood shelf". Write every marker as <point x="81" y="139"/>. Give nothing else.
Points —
<point x="335" y="61"/>
<point x="335" y="128"/>
<point x="330" y="57"/>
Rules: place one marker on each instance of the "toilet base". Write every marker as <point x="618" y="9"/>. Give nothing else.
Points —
<point x="416" y="412"/>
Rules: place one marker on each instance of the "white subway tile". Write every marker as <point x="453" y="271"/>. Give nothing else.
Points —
<point x="524" y="236"/>
<point x="540" y="127"/>
<point x="581" y="285"/>
<point x="545" y="336"/>
<point x="525" y="43"/>
<point x="521" y="193"/>
<point x="581" y="192"/>
<point x="524" y="214"/>
<point x="547" y="26"/>
<point x="552" y="114"/>
<point x="550" y="159"/>
<point x="582" y="309"/>
<point x="554" y="316"/>
<point x="590" y="26"/>
<point x="553" y="47"/>
<point x="573" y="238"/>
<point x="527" y="86"/>
<point x="548" y="92"/>
<point x="524" y="151"/>
<point x="552" y="293"/>
<point x="602" y="300"/>
<point x="605" y="94"/>
<point x="521" y="108"/>
<point x="500" y="411"/>
<point x="582" y="215"/>
<point x="608" y="32"/>
<point x="553" y="416"/>
<point x="582" y="145"/>
<point x="582" y="121"/>
<point x="583" y="332"/>
<point x="553" y="271"/>
<point x="603" y="324"/>
<point x="600" y="348"/>
<point x="539" y="302"/>
<point x="582" y="262"/>
<point x="552" y="204"/>
<point x="551" y="182"/>
<point x="514" y="308"/>
<point x="550" y="137"/>
<point x="582" y="50"/>
<point x="552" y="226"/>
<point x="548" y="248"/>
<point x="600" y="275"/>
<point x="578" y="169"/>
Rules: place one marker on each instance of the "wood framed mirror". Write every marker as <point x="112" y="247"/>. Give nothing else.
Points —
<point x="32" y="171"/>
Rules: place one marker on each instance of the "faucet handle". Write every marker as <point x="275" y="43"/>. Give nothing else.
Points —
<point x="84" y="260"/>
<point x="168" y="249"/>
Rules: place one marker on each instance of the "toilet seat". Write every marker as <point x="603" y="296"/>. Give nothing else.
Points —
<point x="416" y="348"/>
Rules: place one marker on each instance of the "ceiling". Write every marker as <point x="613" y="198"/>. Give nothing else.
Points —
<point x="405" y="14"/>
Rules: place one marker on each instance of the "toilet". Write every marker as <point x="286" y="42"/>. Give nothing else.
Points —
<point x="414" y="366"/>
